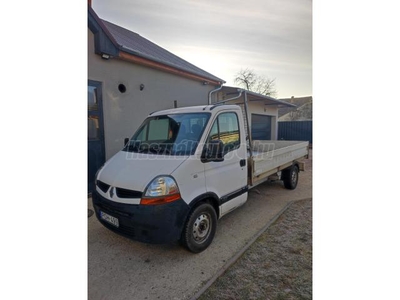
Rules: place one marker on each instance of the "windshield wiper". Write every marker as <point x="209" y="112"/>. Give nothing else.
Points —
<point x="132" y="147"/>
<point x="146" y="148"/>
<point x="158" y="149"/>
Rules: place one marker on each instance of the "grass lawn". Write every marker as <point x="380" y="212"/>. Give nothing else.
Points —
<point x="277" y="266"/>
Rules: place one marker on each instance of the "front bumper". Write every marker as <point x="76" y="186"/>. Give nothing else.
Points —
<point x="145" y="223"/>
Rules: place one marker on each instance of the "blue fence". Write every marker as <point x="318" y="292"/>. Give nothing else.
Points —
<point x="295" y="131"/>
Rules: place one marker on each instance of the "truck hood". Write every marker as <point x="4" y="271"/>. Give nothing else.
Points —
<point x="134" y="173"/>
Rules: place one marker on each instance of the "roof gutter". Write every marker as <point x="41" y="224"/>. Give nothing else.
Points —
<point x="159" y="66"/>
<point x="151" y="58"/>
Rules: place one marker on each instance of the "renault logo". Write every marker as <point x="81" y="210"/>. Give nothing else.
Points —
<point x="112" y="192"/>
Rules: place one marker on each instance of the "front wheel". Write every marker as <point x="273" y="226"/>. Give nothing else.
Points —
<point x="200" y="228"/>
<point x="291" y="177"/>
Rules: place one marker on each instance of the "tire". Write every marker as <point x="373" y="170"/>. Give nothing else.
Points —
<point x="291" y="177"/>
<point x="200" y="228"/>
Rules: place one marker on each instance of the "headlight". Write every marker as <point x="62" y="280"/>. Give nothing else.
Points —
<point x="162" y="189"/>
<point x="97" y="173"/>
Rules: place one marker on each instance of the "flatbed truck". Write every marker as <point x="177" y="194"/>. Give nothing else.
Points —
<point x="184" y="169"/>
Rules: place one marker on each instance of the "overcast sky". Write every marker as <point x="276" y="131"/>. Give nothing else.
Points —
<point x="272" y="37"/>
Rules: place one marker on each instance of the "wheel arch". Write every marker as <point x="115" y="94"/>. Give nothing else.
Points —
<point x="294" y="163"/>
<point x="208" y="197"/>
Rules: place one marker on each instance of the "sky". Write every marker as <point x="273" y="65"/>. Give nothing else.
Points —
<point x="271" y="37"/>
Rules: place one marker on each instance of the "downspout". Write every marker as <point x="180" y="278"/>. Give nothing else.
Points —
<point x="209" y="94"/>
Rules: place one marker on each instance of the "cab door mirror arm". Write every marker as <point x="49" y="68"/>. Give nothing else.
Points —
<point x="213" y="151"/>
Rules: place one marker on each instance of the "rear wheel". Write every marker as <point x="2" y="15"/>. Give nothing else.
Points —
<point x="200" y="228"/>
<point x="291" y="177"/>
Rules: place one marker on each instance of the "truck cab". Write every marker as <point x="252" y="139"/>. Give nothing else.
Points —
<point x="180" y="172"/>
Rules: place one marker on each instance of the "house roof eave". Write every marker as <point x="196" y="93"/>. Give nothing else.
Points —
<point x="160" y="66"/>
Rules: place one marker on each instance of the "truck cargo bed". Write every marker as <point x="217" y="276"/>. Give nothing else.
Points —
<point x="270" y="157"/>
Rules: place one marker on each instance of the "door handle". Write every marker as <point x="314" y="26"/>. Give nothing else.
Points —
<point x="242" y="162"/>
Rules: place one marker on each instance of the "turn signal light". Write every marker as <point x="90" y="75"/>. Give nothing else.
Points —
<point x="160" y="200"/>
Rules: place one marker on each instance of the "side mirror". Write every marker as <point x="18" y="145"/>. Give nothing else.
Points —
<point x="126" y="141"/>
<point x="213" y="151"/>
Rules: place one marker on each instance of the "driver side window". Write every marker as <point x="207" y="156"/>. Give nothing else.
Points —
<point x="226" y="129"/>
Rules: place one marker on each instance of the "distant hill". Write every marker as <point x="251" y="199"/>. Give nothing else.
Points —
<point x="302" y="112"/>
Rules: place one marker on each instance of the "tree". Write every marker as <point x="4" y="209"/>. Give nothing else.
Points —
<point x="249" y="80"/>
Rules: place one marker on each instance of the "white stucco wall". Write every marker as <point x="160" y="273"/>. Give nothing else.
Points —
<point x="124" y="112"/>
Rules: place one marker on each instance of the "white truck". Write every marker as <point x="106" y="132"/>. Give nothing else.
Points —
<point x="184" y="169"/>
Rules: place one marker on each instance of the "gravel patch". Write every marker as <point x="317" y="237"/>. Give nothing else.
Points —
<point x="277" y="266"/>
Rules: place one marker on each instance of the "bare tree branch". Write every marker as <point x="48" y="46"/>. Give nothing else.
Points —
<point x="246" y="78"/>
<point x="249" y="80"/>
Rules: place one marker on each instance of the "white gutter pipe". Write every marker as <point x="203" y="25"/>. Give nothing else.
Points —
<point x="209" y="94"/>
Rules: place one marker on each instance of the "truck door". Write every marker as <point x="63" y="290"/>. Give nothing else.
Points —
<point x="228" y="178"/>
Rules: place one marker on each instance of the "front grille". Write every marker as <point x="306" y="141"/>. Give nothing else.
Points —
<point x="124" y="193"/>
<point x="113" y="210"/>
<point x="103" y="186"/>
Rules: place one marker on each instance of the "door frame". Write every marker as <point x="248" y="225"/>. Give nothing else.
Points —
<point x="99" y="96"/>
<point x="271" y="123"/>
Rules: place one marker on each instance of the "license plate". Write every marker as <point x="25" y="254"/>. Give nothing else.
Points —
<point x="110" y="219"/>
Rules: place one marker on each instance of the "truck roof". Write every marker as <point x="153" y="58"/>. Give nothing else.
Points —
<point x="195" y="109"/>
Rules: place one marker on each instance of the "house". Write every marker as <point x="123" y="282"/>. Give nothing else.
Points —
<point x="301" y="111"/>
<point x="128" y="78"/>
<point x="262" y="111"/>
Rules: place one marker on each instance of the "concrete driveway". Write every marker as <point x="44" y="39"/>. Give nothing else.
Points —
<point x="119" y="268"/>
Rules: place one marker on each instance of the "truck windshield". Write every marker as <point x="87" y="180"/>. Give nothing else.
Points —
<point x="174" y="134"/>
